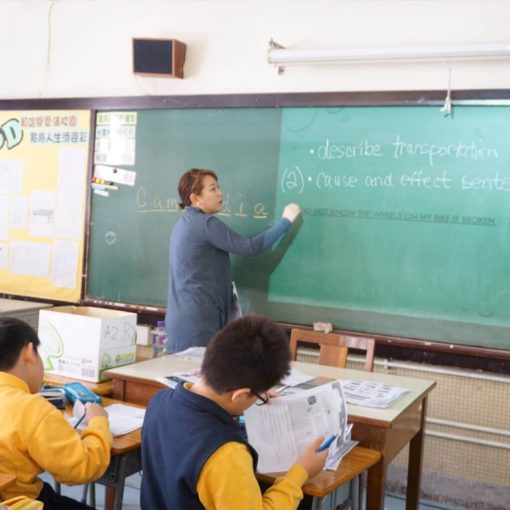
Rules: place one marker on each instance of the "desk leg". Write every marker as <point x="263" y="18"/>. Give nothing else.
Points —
<point x="415" y="463"/>
<point x="109" y="497"/>
<point x="114" y="495"/>
<point x="376" y="485"/>
<point x="120" y="467"/>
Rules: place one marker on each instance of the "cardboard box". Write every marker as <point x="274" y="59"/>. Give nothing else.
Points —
<point x="82" y="342"/>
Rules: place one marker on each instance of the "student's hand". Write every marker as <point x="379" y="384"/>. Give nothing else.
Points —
<point x="94" y="410"/>
<point x="291" y="212"/>
<point x="272" y="393"/>
<point x="311" y="460"/>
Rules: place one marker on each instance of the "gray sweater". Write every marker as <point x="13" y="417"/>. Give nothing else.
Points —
<point x="199" y="290"/>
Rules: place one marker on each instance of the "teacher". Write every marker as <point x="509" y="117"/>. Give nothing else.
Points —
<point x="200" y="282"/>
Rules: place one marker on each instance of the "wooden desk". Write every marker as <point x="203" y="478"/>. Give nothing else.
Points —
<point x="357" y="461"/>
<point x="385" y="430"/>
<point x="6" y="480"/>
<point x="126" y="460"/>
<point x="104" y="389"/>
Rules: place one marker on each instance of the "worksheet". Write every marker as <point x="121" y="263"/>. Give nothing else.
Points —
<point x="281" y="430"/>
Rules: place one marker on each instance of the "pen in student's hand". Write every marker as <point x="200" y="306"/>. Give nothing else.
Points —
<point x="326" y="444"/>
<point x="80" y="419"/>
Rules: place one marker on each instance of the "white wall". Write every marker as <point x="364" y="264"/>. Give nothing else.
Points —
<point x="89" y="43"/>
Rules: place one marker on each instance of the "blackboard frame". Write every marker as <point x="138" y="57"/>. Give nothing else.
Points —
<point x="496" y="360"/>
<point x="267" y="100"/>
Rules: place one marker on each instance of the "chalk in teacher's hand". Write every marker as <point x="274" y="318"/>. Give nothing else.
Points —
<point x="327" y="443"/>
<point x="291" y="212"/>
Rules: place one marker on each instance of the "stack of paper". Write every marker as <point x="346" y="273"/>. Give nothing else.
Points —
<point x="371" y="393"/>
<point x="281" y="431"/>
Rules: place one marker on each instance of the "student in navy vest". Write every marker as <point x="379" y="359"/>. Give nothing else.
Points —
<point x="193" y="453"/>
<point x="199" y="300"/>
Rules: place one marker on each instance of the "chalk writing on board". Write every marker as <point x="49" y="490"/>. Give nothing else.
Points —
<point x="293" y="180"/>
<point x="387" y="215"/>
<point x="401" y="148"/>
<point x="329" y="150"/>
<point x="234" y="205"/>
<point x="431" y="151"/>
<point x="148" y="203"/>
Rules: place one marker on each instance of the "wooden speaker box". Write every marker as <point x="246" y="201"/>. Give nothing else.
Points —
<point x="159" y="57"/>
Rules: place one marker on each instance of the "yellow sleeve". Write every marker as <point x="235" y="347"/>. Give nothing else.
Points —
<point x="71" y="459"/>
<point x="227" y="481"/>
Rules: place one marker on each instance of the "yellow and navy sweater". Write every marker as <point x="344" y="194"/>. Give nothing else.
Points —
<point x="194" y="457"/>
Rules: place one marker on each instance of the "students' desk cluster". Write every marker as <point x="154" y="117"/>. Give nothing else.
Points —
<point x="386" y="430"/>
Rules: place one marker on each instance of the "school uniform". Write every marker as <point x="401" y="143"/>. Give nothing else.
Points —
<point x="194" y="457"/>
<point x="35" y="437"/>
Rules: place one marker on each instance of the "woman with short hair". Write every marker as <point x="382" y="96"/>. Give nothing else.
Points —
<point x="200" y="282"/>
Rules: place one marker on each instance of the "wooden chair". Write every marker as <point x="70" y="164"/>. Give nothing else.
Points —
<point x="333" y="347"/>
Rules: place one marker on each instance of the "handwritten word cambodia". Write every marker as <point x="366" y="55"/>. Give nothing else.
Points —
<point x="401" y="148"/>
<point x="11" y="134"/>
<point x="233" y="206"/>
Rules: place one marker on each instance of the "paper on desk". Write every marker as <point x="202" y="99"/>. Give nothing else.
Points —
<point x="192" y="353"/>
<point x="179" y="377"/>
<point x="296" y="377"/>
<point x="282" y="430"/>
<point x="122" y="418"/>
<point x="371" y="393"/>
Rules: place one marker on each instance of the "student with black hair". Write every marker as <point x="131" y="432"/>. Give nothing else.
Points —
<point x="34" y="435"/>
<point x="193" y="454"/>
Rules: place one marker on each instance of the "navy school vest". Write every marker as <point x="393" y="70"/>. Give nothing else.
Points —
<point x="181" y="431"/>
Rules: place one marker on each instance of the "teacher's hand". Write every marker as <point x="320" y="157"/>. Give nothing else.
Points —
<point x="291" y="212"/>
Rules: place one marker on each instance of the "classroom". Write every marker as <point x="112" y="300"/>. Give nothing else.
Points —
<point x="386" y="121"/>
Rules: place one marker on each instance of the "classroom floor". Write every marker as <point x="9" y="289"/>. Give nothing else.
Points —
<point x="132" y="497"/>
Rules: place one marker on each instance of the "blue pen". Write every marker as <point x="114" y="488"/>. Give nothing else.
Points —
<point x="80" y="420"/>
<point x="327" y="443"/>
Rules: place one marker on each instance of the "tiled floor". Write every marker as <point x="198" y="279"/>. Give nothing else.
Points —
<point x="132" y="497"/>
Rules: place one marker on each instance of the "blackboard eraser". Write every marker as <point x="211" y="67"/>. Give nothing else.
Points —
<point x="325" y="327"/>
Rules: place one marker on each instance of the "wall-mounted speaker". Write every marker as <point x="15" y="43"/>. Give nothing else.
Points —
<point x="159" y="57"/>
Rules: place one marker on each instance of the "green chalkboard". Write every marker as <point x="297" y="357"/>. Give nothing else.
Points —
<point x="406" y="215"/>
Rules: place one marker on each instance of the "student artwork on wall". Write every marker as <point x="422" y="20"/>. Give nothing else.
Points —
<point x="43" y="175"/>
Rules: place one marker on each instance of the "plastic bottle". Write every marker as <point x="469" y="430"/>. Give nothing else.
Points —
<point x="159" y="339"/>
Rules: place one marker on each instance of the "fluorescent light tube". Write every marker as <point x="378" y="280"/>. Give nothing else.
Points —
<point x="430" y="52"/>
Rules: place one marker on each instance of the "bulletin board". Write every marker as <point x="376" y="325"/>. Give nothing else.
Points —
<point x="43" y="189"/>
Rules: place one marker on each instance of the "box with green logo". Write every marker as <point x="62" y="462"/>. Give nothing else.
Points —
<point x="82" y="342"/>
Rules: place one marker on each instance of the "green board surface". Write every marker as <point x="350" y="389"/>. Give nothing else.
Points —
<point x="406" y="215"/>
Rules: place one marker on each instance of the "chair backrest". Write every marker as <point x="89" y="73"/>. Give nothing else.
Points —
<point x="331" y="352"/>
<point x="333" y="347"/>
